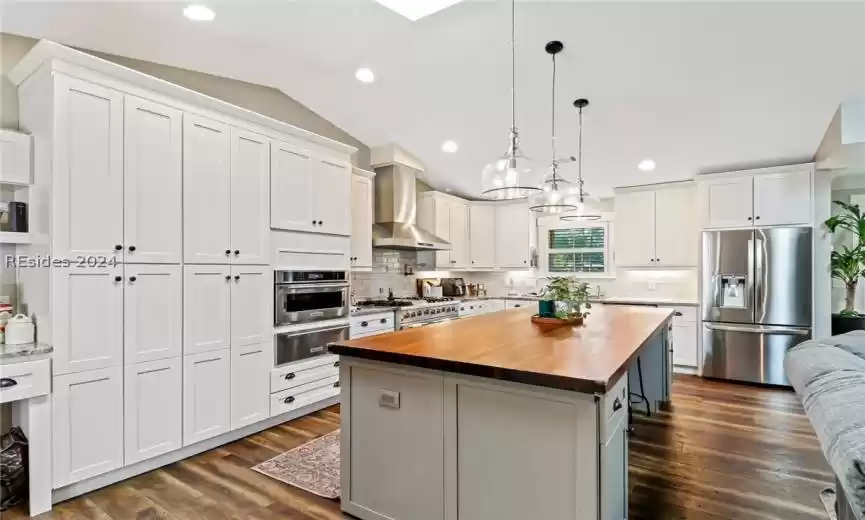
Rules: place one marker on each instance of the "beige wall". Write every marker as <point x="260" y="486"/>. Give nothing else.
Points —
<point x="264" y="100"/>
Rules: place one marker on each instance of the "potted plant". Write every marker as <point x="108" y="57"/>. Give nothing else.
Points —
<point x="565" y="298"/>
<point x="848" y="264"/>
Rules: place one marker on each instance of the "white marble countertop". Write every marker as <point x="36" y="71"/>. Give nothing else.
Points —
<point x="26" y="352"/>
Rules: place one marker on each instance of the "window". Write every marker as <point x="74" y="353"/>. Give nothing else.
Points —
<point x="577" y="249"/>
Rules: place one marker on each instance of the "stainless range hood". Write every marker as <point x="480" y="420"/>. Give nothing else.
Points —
<point x="396" y="211"/>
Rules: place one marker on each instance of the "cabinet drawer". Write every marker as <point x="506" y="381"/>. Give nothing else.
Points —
<point x="24" y="380"/>
<point x="688" y="315"/>
<point x="519" y="304"/>
<point x="303" y="395"/>
<point x="372" y="323"/>
<point x="278" y="379"/>
<point x="615" y="405"/>
<point x="366" y="334"/>
<point x="297" y="378"/>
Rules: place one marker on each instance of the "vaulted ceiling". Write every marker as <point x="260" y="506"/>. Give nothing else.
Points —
<point x="696" y="86"/>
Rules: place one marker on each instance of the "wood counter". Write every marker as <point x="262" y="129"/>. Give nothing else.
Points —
<point x="507" y="346"/>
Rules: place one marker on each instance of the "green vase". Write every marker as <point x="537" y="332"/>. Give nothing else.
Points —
<point x="546" y="308"/>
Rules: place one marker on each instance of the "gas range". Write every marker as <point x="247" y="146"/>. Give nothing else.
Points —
<point x="426" y="312"/>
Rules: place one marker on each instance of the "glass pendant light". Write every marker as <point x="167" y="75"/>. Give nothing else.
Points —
<point x="557" y="194"/>
<point x="582" y="213"/>
<point x="510" y="176"/>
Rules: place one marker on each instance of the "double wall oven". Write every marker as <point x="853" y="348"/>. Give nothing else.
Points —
<point x="314" y="308"/>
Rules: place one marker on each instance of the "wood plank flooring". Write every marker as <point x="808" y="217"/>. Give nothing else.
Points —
<point x="722" y="452"/>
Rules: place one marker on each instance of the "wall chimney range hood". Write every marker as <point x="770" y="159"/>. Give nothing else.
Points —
<point x="396" y="212"/>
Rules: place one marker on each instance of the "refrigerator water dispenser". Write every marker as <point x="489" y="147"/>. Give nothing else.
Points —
<point x="733" y="292"/>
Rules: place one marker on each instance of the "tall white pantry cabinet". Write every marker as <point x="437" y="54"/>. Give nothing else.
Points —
<point x="161" y="321"/>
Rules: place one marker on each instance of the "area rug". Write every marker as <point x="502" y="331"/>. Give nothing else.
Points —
<point x="313" y="466"/>
<point x="827" y="496"/>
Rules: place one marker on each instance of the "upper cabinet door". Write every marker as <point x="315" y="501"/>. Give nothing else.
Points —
<point x="250" y="198"/>
<point x="206" y="191"/>
<point x="291" y="201"/>
<point x="153" y="185"/>
<point x="251" y="317"/>
<point x="513" y="241"/>
<point x="361" y="222"/>
<point x="782" y="198"/>
<point x="459" y="234"/>
<point x="727" y="202"/>
<point x="676" y="234"/>
<point x="206" y="308"/>
<point x="331" y="193"/>
<point x="482" y="236"/>
<point x="87" y="307"/>
<point x="153" y="313"/>
<point x="88" y="170"/>
<point x="635" y="228"/>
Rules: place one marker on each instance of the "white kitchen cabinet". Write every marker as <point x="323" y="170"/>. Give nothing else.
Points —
<point x="685" y="344"/>
<point x="250" y="198"/>
<point x="782" y="198"/>
<point x="727" y="201"/>
<point x="207" y="308"/>
<point x="519" y="304"/>
<point x="250" y="384"/>
<point x="251" y="294"/>
<point x="459" y="235"/>
<point x="635" y="228"/>
<point x="153" y="422"/>
<point x="87" y="424"/>
<point x="655" y="226"/>
<point x="482" y="236"/>
<point x="361" y="222"/>
<point x="206" y="395"/>
<point x="87" y="170"/>
<point x="764" y="197"/>
<point x="309" y="193"/>
<point x="153" y="312"/>
<point x="513" y="238"/>
<point x="88" y="318"/>
<point x="446" y="217"/>
<point x="15" y="152"/>
<point x="206" y="191"/>
<point x="153" y="182"/>
<point x="676" y="231"/>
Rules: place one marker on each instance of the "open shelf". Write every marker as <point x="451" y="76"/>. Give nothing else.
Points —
<point x="7" y="237"/>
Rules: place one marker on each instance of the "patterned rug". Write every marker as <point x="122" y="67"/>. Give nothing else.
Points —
<point x="313" y="466"/>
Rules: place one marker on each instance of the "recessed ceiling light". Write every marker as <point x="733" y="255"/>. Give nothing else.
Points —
<point x="646" y="165"/>
<point x="449" y="146"/>
<point x="414" y="10"/>
<point x="364" y="75"/>
<point x="199" y="13"/>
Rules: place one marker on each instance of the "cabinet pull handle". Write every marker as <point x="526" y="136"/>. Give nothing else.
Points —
<point x="131" y="249"/>
<point x="617" y="405"/>
<point x="288" y="400"/>
<point x="320" y="222"/>
<point x="237" y="277"/>
<point x="228" y="277"/>
<point x="133" y="278"/>
<point x="118" y="247"/>
<point x="336" y="385"/>
<point x="517" y="306"/>
<point x="383" y="320"/>
<point x="289" y="376"/>
<point x="227" y="252"/>
<point x="336" y="363"/>
<point x="7" y="382"/>
<point x="658" y="260"/>
<point x="236" y="252"/>
<point x="677" y="313"/>
<point x="757" y="217"/>
<point x="363" y="324"/>
<point x="749" y="218"/>
<point x="118" y="278"/>
<point x="313" y="222"/>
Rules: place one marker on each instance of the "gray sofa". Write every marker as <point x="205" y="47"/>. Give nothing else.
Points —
<point x="829" y="377"/>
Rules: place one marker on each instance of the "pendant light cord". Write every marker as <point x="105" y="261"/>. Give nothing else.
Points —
<point x="580" y="154"/>
<point x="553" y="121"/>
<point x="513" y="65"/>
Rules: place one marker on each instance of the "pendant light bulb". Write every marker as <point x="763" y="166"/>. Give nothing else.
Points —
<point x="582" y="213"/>
<point x="511" y="176"/>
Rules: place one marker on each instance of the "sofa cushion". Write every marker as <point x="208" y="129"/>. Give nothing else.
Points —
<point x="829" y="377"/>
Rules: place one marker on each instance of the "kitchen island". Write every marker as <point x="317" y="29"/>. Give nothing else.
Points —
<point x="492" y="418"/>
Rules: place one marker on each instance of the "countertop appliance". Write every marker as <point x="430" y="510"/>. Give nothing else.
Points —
<point x="307" y="342"/>
<point x="756" y="301"/>
<point x="308" y="296"/>
<point x="453" y="287"/>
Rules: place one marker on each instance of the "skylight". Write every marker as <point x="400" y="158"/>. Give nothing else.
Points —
<point x="414" y="10"/>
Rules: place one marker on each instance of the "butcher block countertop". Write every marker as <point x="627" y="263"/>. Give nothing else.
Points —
<point x="507" y="346"/>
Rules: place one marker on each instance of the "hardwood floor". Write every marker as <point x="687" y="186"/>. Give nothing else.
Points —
<point x="723" y="452"/>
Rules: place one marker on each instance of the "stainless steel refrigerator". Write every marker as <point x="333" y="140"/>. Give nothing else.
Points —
<point x="756" y="301"/>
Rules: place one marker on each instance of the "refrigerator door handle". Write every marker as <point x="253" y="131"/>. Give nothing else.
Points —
<point x="758" y="329"/>
<point x="750" y="301"/>
<point x="760" y="257"/>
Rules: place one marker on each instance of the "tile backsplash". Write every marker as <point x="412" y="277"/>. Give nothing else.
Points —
<point x="389" y="268"/>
